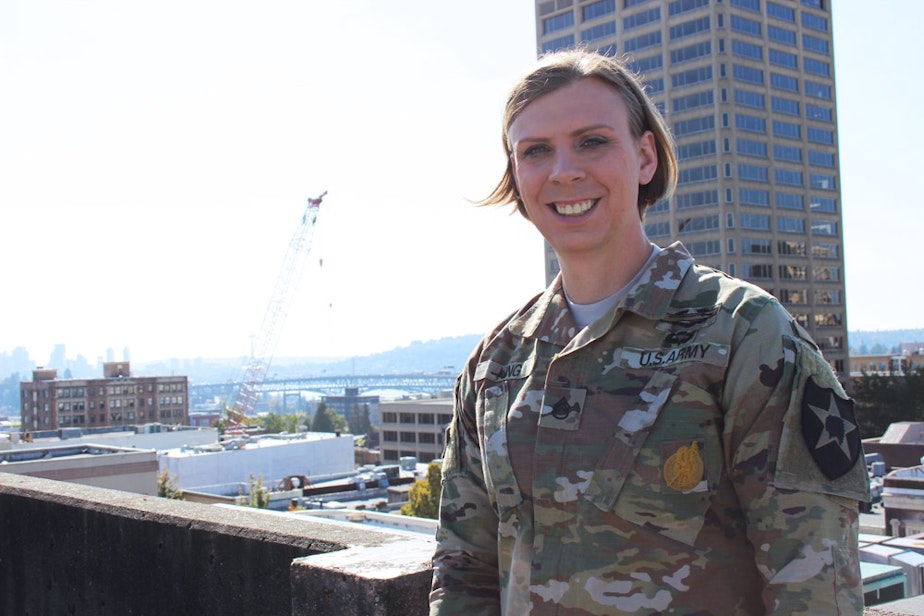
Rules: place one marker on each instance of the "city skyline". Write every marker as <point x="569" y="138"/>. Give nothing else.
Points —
<point x="158" y="160"/>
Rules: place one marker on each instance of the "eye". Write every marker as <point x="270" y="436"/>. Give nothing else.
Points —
<point x="535" y="151"/>
<point x="592" y="142"/>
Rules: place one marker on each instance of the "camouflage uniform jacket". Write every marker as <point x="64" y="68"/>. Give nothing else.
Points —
<point x="691" y="452"/>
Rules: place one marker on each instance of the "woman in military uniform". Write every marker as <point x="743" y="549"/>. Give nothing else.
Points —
<point x="649" y="435"/>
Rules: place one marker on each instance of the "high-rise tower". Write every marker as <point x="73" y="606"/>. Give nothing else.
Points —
<point x="747" y="87"/>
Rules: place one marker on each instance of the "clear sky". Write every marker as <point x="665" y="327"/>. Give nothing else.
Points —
<point x="156" y="158"/>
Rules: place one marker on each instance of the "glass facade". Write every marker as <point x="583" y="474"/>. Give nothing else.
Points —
<point x="747" y="86"/>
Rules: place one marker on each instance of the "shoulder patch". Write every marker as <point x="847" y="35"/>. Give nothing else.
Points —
<point x="829" y="428"/>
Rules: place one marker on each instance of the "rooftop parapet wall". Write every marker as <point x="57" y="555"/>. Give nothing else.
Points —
<point x="72" y="549"/>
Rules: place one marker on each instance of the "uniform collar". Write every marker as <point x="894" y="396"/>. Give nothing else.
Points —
<point x="550" y="320"/>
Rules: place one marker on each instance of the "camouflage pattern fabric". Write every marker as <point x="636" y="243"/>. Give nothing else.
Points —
<point x="653" y="463"/>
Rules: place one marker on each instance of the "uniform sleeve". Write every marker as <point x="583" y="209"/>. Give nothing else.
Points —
<point x="796" y="461"/>
<point x="465" y="575"/>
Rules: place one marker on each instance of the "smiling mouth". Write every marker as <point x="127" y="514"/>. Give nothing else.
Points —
<point x="576" y="208"/>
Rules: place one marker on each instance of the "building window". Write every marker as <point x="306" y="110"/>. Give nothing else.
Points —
<point x="690" y="28"/>
<point x="747" y="50"/>
<point x="699" y="224"/>
<point x="821" y="159"/>
<point x="755" y="247"/>
<point x="751" y="5"/>
<point x="817" y="67"/>
<point x="641" y="19"/>
<point x="817" y="90"/>
<point x="782" y="58"/>
<point x="693" y="101"/>
<point x="789" y="201"/>
<point x="697" y="199"/>
<point x="789" y="224"/>
<point x="563" y="42"/>
<point x="757" y="271"/>
<point x="747" y="98"/>
<point x="826" y="251"/>
<point x="754" y="173"/>
<point x="814" y="22"/>
<point x="691" y="52"/>
<point x="696" y="150"/>
<point x="811" y="43"/>
<point x="787" y="177"/>
<point x="781" y="12"/>
<point x="598" y="32"/>
<point x="683" y="6"/>
<point x="598" y="9"/>
<point x="759" y="198"/>
<point x="754" y="222"/>
<point x="788" y="153"/>
<point x="750" y="123"/>
<point x="787" y="129"/>
<point x="658" y="229"/>
<point x="822" y="181"/>
<point x="784" y="82"/>
<point x="824" y="227"/>
<point x="792" y="272"/>
<point x="784" y="105"/>
<point x="791" y="248"/>
<point x="706" y="248"/>
<point x="647" y="64"/>
<point x="747" y="26"/>
<point x="558" y="22"/>
<point x="697" y="174"/>
<point x="823" y="204"/>
<point x="694" y="125"/>
<point x="748" y="74"/>
<point x="746" y="147"/>
<point x="692" y="77"/>
<point x="781" y="35"/>
<point x="814" y="112"/>
<point x="643" y="42"/>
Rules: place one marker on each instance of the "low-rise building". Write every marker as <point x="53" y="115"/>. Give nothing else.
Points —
<point x="117" y="399"/>
<point x="117" y="468"/>
<point x="414" y="428"/>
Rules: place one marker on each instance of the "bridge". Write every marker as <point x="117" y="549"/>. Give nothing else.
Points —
<point x="427" y="384"/>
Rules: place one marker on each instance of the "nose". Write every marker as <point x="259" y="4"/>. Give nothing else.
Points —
<point x="566" y="167"/>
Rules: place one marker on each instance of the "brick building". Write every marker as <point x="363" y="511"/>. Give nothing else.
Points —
<point x="117" y="399"/>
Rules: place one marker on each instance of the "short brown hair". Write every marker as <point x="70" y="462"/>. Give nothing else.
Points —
<point x="559" y="69"/>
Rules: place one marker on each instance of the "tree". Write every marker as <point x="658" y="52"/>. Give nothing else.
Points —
<point x="327" y="419"/>
<point x="167" y="485"/>
<point x="257" y="496"/>
<point x="360" y="421"/>
<point x="424" y="496"/>
<point x="884" y="400"/>
<point x="274" y="423"/>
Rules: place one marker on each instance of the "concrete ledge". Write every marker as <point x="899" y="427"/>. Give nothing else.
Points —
<point x="72" y="549"/>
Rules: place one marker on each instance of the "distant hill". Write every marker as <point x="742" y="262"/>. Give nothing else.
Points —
<point x="863" y="342"/>
<point x="445" y="354"/>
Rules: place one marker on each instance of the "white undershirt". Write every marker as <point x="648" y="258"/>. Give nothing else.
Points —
<point x="585" y="314"/>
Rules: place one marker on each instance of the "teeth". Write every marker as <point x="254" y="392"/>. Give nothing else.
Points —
<point x="574" y="209"/>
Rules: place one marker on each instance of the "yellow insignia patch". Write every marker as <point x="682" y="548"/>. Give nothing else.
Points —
<point x="684" y="470"/>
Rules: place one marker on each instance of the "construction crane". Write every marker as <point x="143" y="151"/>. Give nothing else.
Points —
<point x="264" y="343"/>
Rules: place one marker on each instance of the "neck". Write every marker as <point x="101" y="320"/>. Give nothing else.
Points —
<point x="592" y="276"/>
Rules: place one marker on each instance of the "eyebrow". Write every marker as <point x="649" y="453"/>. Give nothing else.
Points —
<point x="574" y="133"/>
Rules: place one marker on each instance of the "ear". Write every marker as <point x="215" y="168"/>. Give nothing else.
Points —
<point x="647" y="158"/>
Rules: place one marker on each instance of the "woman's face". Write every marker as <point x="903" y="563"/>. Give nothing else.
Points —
<point x="578" y="168"/>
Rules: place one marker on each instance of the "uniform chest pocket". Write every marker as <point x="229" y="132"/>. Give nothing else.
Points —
<point x="661" y="467"/>
<point x="499" y="478"/>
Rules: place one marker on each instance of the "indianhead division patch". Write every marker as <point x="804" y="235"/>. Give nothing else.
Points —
<point x="829" y="428"/>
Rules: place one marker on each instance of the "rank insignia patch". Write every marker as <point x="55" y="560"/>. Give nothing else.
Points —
<point x="829" y="428"/>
